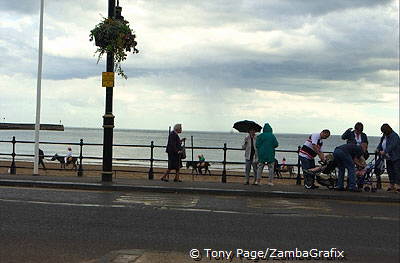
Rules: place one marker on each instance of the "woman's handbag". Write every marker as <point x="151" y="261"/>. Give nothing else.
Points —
<point x="183" y="153"/>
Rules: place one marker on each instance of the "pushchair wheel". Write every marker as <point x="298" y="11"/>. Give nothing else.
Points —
<point x="367" y="189"/>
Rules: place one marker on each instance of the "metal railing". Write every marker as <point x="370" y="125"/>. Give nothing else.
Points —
<point x="151" y="161"/>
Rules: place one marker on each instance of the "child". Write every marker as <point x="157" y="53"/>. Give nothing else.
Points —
<point x="202" y="160"/>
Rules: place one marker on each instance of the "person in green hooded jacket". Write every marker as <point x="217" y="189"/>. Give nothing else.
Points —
<point x="266" y="143"/>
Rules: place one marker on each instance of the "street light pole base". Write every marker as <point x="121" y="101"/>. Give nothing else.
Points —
<point x="106" y="176"/>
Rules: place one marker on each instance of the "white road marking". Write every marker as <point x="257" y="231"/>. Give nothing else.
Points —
<point x="285" y="214"/>
<point x="159" y="200"/>
<point x="60" y="204"/>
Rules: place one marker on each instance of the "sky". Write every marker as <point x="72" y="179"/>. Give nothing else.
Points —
<point x="302" y="66"/>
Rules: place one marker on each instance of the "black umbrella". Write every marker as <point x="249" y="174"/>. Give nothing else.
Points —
<point x="245" y="126"/>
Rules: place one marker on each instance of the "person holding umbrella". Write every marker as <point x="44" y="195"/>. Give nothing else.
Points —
<point x="266" y="143"/>
<point x="249" y="145"/>
<point x="250" y="155"/>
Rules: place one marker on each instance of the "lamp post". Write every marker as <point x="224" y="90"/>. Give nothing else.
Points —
<point x="38" y="93"/>
<point x="108" y="118"/>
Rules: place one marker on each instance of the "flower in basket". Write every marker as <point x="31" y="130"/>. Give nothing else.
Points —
<point x="114" y="35"/>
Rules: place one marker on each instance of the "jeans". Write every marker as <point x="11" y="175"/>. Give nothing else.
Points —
<point x="344" y="161"/>
<point x="307" y="164"/>
<point x="249" y="164"/>
<point x="393" y="170"/>
<point x="270" y="171"/>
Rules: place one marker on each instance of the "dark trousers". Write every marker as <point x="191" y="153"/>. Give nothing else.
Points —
<point x="41" y="163"/>
<point x="393" y="170"/>
<point x="344" y="161"/>
<point x="309" y="179"/>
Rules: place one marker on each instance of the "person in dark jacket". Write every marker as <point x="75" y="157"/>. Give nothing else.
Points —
<point x="346" y="157"/>
<point x="356" y="136"/>
<point x="389" y="148"/>
<point x="41" y="158"/>
<point x="174" y="150"/>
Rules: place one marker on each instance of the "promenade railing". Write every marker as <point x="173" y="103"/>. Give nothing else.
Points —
<point x="83" y="166"/>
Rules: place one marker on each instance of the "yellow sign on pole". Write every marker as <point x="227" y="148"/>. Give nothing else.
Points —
<point x="108" y="79"/>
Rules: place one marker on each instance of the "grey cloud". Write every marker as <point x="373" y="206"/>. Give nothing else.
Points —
<point x="217" y="11"/>
<point x="54" y="68"/>
<point x="343" y="58"/>
<point x="289" y="78"/>
<point x="32" y="6"/>
<point x="283" y="7"/>
<point x="271" y="14"/>
<point x="309" y="7"/>
<point x="59" y="68"/>
<point x="22" y="6"/>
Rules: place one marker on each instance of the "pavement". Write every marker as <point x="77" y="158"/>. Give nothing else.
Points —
<point x="189" y="187"/>
<point x="195" y="187"/>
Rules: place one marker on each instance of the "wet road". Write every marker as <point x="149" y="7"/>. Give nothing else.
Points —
<point x="48" y="225"/>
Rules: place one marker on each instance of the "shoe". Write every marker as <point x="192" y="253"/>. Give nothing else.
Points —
<point x="163" y="179"/>
<point x="390" y="189"/>
<point x="270" y="184"/>
<point x="255" y="183"/>
<point x="246" y="183"/>
<point x="176" y="180"/>
<point x="355" y="190"/>
<point x="313" y="186"/>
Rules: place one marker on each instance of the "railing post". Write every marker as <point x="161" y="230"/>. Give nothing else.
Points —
<point x="224" y="165"/>
<point x="80" y="168"/>
<point x="298" y="180"/>
<point x="13" y="168"/>
<point x="151" y="173"/>
<point x="191" y="140"/>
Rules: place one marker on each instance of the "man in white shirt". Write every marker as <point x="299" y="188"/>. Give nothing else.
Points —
<point x="310" y="149"/>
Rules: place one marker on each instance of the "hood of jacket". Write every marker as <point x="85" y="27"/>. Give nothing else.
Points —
<point x="267" y="128"/>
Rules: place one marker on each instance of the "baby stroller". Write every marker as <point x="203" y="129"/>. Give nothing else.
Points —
<point x="369" y="178"/>
<point x="326" y="173"/>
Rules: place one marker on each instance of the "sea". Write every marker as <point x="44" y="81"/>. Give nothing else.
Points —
<point x="124" y="154"/>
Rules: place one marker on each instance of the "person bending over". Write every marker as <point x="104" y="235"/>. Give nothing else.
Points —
<point x="347" y="156"/>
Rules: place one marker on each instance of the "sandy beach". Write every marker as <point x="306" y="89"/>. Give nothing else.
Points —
<point x="133" y="172"/>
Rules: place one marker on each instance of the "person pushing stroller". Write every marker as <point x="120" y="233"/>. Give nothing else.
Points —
<point x="310" y="149"/>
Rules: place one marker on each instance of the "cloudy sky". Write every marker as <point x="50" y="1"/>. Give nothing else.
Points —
<point x="301" y="65"/>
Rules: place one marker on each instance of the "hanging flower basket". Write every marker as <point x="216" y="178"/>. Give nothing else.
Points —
<point x="114" y="35"/>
